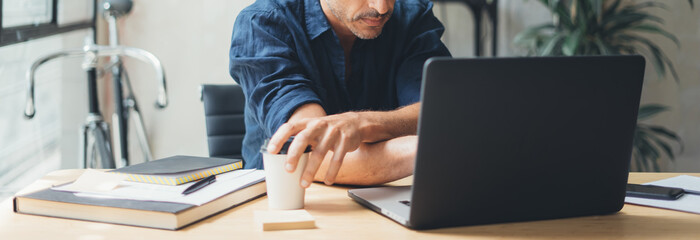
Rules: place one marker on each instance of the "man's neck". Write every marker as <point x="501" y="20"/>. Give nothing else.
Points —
<point x="345" y="36"/>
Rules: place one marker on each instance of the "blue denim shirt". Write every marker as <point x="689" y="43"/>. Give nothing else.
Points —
<point x="284" y="54"/>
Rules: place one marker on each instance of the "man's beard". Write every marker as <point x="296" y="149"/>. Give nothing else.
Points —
<point x="340" y="13"/>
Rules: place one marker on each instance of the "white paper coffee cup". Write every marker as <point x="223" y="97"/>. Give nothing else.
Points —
<point x="283" y="189"/>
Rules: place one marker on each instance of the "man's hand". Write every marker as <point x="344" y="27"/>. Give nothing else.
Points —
<point x="339" y="134"/>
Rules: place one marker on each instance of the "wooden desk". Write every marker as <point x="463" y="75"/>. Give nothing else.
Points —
<point x="339" y="217"/>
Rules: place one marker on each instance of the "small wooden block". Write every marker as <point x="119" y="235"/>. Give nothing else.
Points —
<point x="284" y="220"/>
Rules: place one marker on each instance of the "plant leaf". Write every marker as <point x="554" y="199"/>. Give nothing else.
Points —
<point x="663" y="145"/>
<point x="658" y="57"/>
<point x="561" y="10"/>
<point x="665" y="132"/>
<point x="602" y="48"/>
<point x="550" y="44"/>
<point x="553" y="4"/>
<point x="598" y="9"/>
<point x="528" y="34"/>
<point x="672" y="68"/>
<point x="619" y="22"/>
<point x="657" y="30"/>
<point x="639" y="159"/>
<point x="649" y="110"/>
<point x="636" y="154"/>
<point x="642" y="154"/>
<point x="642" y="5"/>
<point x="571" y="43"/>
<point x="579" y="12"/>
<point x="612" y="8"/>
<point x="648" y="152"/>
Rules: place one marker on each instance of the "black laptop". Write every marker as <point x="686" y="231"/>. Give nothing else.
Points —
<point x="518" y="139"/>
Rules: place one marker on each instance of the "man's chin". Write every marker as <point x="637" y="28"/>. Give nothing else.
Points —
<point x="368" y="34"/>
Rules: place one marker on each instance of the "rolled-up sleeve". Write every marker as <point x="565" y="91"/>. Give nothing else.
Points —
<point x="424" y="43"/>
<point x="264" y="62"/>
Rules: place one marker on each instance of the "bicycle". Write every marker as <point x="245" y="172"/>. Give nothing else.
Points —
<point x="95" y="137"/>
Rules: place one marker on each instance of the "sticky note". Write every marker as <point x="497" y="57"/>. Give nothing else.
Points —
<point x="284" y="220"/>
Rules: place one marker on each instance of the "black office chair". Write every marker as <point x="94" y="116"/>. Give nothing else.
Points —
<point x="223" y="112"/>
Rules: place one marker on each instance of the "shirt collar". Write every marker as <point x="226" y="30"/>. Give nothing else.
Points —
<point x="316" y="21"/>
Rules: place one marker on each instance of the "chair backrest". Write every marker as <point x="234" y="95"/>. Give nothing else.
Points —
<point x="223" y="111"/>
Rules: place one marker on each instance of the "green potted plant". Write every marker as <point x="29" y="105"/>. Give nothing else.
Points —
<point x="598" y="27"/>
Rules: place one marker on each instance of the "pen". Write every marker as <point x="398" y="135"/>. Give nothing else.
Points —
<point x="199" y="185"/>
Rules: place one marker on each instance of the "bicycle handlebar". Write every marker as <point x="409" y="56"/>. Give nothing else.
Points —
<point x="91" y="53"/>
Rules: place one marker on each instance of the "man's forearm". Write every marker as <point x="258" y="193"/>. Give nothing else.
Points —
<point x="376" y="125"/>
<point x="379" y="126"/>
<point x="311" y="110"/>
<point x="375" y="163"/>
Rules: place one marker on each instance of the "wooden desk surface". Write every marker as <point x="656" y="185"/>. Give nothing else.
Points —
<point x="339" y="217"/>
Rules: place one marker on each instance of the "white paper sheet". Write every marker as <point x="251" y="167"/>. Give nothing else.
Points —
<point x="225" y="183"/>
<point x="687" y="203"/>
<point x="96" y="181"/>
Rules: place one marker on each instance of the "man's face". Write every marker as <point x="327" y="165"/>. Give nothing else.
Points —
<point x="364" y="18"/>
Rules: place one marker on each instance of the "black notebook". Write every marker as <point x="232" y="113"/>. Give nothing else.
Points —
<point x="177" y="170"/>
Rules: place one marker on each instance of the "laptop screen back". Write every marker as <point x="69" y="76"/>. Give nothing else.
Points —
<point x="518" y="139"/>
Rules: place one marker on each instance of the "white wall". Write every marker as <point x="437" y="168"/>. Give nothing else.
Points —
<point x="192" y="40"/>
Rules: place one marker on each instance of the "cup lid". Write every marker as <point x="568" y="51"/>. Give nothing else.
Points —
<point x="285" y="146"/>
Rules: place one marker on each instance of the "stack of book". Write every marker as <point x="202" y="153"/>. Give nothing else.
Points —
<point x="125" y="205"/>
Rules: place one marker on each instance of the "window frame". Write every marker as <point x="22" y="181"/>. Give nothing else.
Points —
<point x="19" y="34"/>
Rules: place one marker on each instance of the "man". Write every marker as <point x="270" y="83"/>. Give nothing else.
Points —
<point x="342" y="76"/>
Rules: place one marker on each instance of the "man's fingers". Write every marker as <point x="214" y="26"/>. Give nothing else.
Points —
<point x="328" y="142"/>
<point x="312" y="165"/>
<point x="334" y="167"/>
<point x="280" y="137"/>
<point x="301" y="141"/>
<point x="336" y="161"/>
